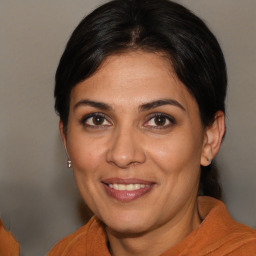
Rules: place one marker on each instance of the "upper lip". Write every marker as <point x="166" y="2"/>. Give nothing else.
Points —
<point x="116" y="180"/>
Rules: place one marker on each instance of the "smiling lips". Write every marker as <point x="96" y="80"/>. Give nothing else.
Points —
<point x="126" y="190"/>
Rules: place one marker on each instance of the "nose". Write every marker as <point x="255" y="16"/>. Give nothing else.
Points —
<point x="126" y="149"/>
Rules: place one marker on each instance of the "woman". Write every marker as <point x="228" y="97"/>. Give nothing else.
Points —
<point x="140" y="91"/>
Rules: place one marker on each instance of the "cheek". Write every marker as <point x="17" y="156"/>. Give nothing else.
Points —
<point x="177" y="152"/>
<point x="86" y="154"/>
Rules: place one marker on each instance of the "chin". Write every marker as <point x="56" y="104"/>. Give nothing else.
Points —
<point x="127" y="224"/>
<point x="127" y="231"/>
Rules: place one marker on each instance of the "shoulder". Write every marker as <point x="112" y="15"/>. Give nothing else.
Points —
<point x="8" y="245"/>
<point x="75" y="240"/>
<point x="240" y="240"/>
<point x="220" y="234"/>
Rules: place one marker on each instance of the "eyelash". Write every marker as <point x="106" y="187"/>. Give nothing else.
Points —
<point x="92" y="115"/>
<point x="170" y="119"/>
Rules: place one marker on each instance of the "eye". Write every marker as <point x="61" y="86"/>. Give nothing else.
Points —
<point x="160" y="121"/>
<point x="95" y="120"/>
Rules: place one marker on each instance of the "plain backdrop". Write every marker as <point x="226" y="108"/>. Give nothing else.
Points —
<point x="39" y="202"/>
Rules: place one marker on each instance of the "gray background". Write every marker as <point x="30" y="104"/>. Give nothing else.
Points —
<point x="39" y="202"/>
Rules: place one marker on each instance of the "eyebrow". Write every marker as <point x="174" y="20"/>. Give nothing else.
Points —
<point x="95" y="104"/>
<point x="143" y="107"/>
<point x="161" y="102"/>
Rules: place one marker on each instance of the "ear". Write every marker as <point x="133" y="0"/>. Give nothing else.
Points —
<point x="63" y="135"/>
<point x="213" y="138"/>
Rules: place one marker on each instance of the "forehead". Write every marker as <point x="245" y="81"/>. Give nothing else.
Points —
<point x="133" y="78"/>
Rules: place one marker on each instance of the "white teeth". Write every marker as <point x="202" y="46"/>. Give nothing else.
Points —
<point x="115" y="186"/>
<point x="128" y="187"/>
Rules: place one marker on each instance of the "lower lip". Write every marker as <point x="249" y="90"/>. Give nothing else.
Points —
<point x="125" y="195"/>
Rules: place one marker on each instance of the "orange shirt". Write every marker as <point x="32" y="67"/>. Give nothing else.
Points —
<point x="8" y="245"/>
<point x="218" y="235"/>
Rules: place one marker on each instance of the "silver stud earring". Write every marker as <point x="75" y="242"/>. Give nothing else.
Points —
<point x="69" y="163"/>
<point x="209" y="160"/>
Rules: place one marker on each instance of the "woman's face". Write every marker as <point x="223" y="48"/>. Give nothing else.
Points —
<point x="135" y="139"/>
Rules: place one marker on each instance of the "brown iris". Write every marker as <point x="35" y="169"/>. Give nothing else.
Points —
<point x="160" y="120"/>
<point x="98" y="120"/>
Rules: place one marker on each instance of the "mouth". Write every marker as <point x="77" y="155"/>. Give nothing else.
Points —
<point x="126" y="190"/>
<point x="129" y="187"/>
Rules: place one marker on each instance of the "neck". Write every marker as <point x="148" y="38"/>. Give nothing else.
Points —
<point x="159" y="239"/>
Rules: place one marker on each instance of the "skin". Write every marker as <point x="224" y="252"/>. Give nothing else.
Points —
<point x="129" y="142"/>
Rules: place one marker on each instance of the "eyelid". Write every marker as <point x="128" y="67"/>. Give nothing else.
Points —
<point x="154" y="115"/>
<point x="94" y="114"/>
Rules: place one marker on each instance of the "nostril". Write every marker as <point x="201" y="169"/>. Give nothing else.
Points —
<point x="125" y="160"/>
